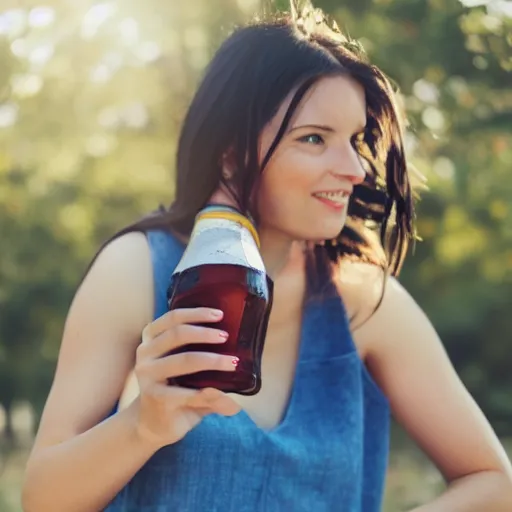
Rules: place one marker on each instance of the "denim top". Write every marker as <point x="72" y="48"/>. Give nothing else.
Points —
<point x="329" y="452"/>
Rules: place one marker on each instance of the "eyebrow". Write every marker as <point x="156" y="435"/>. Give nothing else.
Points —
<point x="322" y="127"/>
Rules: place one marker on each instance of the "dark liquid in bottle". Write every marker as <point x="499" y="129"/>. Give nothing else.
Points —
<point x="245" y="296"/>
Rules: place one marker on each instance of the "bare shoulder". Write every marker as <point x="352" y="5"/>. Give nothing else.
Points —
<point x="118" y="287"/>
<point x="409" y="362"/>
<point x="361" y="287"/>
<point x="102" y="329"/>
<point x="395" y="324"/>
<point x="123" y="271"/>
<point x="392" y="310"/>
<point x="378" y="306"/>
<point x="398" y="324"/>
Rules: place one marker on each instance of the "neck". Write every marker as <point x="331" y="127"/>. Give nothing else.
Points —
<point x="275" y="249"/>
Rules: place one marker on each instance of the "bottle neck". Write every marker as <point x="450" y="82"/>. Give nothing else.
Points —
<point x="228" y="213"/>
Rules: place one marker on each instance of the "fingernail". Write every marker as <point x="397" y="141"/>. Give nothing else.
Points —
<point x="235" y="361"/>
<point x="216" y="313"/>
<point x="223" y="335"/>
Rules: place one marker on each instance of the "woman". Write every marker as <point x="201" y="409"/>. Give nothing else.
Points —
<point x="289" y="123"/>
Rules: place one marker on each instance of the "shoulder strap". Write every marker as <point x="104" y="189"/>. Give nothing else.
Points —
<point x="325" y="329"/>
<point x="166" y="252"/>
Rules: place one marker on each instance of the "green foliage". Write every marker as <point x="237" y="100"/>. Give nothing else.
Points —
<point x="91" y="98"/>
<point x="453" y="70"/>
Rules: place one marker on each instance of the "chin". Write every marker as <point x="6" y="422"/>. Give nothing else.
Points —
<point x="317" y="232"/>
<point x="329" y="234"/>
<point x="319" y="239"/>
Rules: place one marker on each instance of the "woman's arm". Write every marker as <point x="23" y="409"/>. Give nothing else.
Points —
<point x="80" y="462"/>
<point x="407" y="359"/>
<point x="478" y="492"/>
<point x="85" y="472"/>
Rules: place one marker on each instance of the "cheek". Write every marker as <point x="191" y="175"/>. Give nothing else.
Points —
<point x="284" y="187"/>
<point x="270" y="199"/>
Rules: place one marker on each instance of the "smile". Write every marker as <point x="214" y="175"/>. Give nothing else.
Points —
<point x="340" y="197"/>
<point x="336" y="200"/>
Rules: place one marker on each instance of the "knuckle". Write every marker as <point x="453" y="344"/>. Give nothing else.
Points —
<point x="146" y="333"/>
<point x="141" y="369"/>
<point x="140" y="351"/>
<point x="173" y="316"/>
<point x="177" y="334"/>
<point x="211" y="394"/>
<point x="189" y="359"/>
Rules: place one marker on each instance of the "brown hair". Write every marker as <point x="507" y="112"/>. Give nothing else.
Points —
<point x="251" y="74"/>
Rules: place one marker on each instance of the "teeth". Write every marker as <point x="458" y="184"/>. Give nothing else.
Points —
<point x="337" y="197"/>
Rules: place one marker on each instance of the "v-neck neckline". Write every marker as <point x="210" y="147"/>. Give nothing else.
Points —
<point x="243" y="415"/>
<point x="288" y="411"/>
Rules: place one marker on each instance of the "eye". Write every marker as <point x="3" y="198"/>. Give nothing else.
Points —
<point x="312" y="138"/>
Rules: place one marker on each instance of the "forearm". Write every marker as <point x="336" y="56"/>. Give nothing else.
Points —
<point x="488" y="490"/>
<point x="85" y="473"/>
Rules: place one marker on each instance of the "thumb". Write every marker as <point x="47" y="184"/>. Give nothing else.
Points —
<point x="214" y="401"/>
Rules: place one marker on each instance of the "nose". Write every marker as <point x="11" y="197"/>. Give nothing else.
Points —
<point x="348" y="166"/>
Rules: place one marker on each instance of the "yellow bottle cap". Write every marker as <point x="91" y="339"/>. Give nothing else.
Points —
<point x="233" y="216"/>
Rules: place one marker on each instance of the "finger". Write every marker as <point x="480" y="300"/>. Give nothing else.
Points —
<point x="180" y="396"/>
<point x="203" y="401"/>
<point x="179" y="336"/>
<point x="183" y="364"/>
<point x="193" y="398"/>
<point x="180" y="316"/>
<point x="214" y="401"/>
<point x="225" y="406"/>
<point x="223" y="410"/>
<point x="204" y="397"/>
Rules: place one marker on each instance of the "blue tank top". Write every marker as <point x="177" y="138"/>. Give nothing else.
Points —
<point x="329" y="452"/>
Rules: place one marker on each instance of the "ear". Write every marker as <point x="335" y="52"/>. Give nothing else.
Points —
<point x="225" y="192"/>
<point x="228" y="165"/>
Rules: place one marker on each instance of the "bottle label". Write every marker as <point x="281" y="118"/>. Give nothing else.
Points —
<point x="221" y="241"/>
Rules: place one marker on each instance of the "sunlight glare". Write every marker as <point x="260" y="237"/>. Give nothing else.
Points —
<point x="19" y="47"/>
<point x="25" y="86"/>
<point x="500" y="8"/>
<point x="426" y="91"/>
<point x="8" y="114"/>
<point x="42" y="16"/>
<point x="95" y="17"/>
<point x="13" y="23"/>
<point x="41" y="55"/>
<point x="129" y="31"/>
<point x="148" y="51"/>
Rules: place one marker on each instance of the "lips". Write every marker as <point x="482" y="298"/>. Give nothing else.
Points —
<point x="336" y="199"/>
<point x="337" y="205"/>
<point x="336" y="196"/>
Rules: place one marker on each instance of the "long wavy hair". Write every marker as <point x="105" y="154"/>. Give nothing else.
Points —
<point x="249" y="77"/>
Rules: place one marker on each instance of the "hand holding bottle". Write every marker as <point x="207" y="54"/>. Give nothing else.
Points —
<point x="165" y="413"/>
<point x="222" y="268"/>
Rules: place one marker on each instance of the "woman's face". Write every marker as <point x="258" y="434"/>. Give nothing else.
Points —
<point x="304" y="191"/>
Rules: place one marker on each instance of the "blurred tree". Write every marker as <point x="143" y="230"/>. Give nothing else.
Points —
<point x="453" y="71"/>
<point x="91" y="98"/>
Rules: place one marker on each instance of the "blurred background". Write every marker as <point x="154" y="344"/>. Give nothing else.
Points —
<point x="91" y="99"/>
